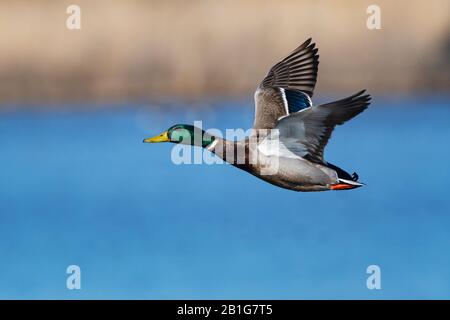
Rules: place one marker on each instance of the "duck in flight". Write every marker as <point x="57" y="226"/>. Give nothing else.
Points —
<point x="289" y="133"/>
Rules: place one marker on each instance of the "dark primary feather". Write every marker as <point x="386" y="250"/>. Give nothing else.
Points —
<point x="297" y="71"/>
<point x="318" y="123"/>
<point x="295" y="76"/>
<point x="338" y="112"/>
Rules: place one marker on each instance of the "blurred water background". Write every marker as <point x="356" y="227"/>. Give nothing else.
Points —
<point x="81" y="188"/>
<point x="77" y="186"/>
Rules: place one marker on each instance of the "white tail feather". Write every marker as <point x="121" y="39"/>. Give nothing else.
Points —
<point x="353" y="183"/>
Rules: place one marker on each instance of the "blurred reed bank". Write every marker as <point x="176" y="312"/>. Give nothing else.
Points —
<point x="189" y="49"/>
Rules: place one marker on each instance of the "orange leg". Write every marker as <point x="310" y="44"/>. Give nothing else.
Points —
<point x="342" y="186"/>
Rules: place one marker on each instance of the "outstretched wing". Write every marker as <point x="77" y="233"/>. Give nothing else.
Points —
<point x="288" y="87"/>
<point x="306" y="133"/>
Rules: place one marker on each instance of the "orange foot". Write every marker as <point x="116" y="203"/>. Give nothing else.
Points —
<point x="343" y="186"/>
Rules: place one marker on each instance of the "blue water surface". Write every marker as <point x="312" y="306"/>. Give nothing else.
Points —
<point x="80" y="187"/>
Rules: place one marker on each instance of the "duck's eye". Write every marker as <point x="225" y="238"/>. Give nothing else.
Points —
<point x="177" y="135"/>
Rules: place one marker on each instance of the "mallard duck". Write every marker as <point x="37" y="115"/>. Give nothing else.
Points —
<point x="289" y="133"/>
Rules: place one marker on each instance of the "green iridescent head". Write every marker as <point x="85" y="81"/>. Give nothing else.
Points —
<point x="184" y="134"/>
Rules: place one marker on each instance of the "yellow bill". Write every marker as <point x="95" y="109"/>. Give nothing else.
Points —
<point x="163" y="137"/>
